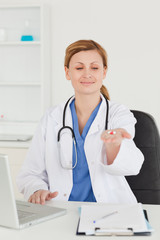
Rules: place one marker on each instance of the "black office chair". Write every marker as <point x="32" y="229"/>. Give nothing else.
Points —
<point x="146" y="185"/>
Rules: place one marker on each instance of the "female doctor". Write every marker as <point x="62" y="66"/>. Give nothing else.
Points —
<point x="83" y="148"/>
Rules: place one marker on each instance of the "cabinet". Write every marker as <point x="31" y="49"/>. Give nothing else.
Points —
<point x="24" y="67"/>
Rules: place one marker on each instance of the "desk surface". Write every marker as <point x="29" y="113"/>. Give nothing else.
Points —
<point x="64" y="227"/>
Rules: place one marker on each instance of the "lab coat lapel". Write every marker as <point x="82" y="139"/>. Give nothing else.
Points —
<point x="99" y="121"/>
<point x="93" y="143"/>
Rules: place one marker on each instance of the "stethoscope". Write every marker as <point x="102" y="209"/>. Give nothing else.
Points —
<point x="64" y="127"/>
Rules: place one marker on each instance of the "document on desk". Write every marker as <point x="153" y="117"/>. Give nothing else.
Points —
<point x="113" y="220"/>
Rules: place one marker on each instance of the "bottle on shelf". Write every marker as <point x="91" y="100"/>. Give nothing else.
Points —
<point x="27" y="36"/>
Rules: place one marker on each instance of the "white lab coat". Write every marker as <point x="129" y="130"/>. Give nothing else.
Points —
<point x="42" y="167"/>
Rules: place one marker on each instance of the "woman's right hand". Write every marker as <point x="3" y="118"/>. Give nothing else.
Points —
<point x="41" y="196"/>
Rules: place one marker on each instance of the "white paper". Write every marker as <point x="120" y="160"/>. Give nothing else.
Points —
<point x="127" y="216"/>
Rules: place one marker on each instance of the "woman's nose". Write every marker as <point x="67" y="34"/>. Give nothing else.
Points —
<point x="87" y="73"/>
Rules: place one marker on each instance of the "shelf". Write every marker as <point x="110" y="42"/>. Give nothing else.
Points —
<point x="25" y="80"/>
<point x="15" y="144"/>
<point x="21" y="6"/>
<point x="17" y="128"/>
<point x="7" y="83"/>
<point x="5" y="122"/>
<point x="20" y="43"/>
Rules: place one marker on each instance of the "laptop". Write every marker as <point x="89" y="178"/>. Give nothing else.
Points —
<point x="20" y="214"/>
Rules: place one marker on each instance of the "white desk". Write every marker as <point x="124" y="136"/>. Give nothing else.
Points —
<point x="64" y="227"/>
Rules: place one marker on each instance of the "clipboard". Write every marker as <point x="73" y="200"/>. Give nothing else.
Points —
<point x="144" y="229"/>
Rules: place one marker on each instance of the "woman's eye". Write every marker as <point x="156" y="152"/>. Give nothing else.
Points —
<point x="79" y="68"/>
<point x="95" y="68"/>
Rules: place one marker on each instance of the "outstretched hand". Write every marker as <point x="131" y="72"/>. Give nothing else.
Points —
<point x="115" y="136"/>
<point x="113" y="139"/>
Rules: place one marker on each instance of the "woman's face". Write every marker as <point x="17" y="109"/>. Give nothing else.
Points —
<point x="86" y="72"/>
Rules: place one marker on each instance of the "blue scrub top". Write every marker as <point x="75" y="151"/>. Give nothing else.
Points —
<point x="82" y="188"/>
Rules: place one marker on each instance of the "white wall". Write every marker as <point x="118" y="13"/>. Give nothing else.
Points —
<point x="129" y="30"/>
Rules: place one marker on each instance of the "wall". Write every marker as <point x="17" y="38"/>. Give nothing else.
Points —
<point x="128" y="30"/>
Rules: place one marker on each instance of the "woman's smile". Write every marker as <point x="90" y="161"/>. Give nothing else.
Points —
<point x="87" y="83"/>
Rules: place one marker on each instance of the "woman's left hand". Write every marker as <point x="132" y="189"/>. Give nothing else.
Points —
<point x="113" y="139"/>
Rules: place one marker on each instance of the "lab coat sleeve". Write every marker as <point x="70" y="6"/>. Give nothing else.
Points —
<point x="129" y="159"/>
<point x="33" y="176"/>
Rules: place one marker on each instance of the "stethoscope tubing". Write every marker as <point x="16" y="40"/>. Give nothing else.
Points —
<point x="71" y="129"/>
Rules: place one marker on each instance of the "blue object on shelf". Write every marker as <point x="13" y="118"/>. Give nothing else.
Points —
<point x="27" y="38"/>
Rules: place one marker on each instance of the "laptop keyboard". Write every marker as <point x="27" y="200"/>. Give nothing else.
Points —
<point x="23" y="214"/>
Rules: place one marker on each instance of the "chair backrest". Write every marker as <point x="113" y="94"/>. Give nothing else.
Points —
<point x="146" y="185"/>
